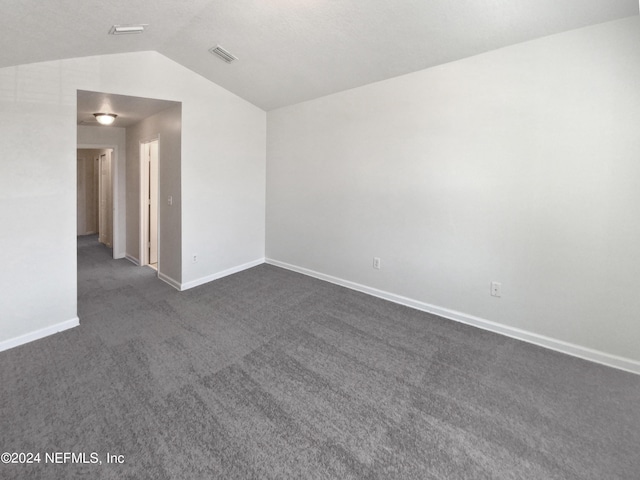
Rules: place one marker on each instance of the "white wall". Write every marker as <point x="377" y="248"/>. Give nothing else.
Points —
<point x="520" y="165"/>
<point x="113" y="137"/>
<point x="166" y="127"/>
<point x="222" y="179"/>
<point x="223" y="171"/>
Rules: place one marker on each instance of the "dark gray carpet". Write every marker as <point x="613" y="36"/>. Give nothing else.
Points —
<point x="270" y="374"/>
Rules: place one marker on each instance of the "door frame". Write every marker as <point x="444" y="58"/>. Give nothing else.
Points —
<point x="144" y="195"/>
<point x="117" y="248"/>
<point x="105" y="209"/>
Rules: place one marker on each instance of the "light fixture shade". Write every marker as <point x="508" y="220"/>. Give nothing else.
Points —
<point x="105" y="118"/>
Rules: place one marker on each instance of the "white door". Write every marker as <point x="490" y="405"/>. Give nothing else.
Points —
<point x="88" y="187"/>
<point x="105" y="204"/>
<point x="153" y="202"/>
<point x="81" y="204"/>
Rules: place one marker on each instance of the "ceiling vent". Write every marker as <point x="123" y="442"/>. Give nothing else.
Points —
<point x="223" y="54"/>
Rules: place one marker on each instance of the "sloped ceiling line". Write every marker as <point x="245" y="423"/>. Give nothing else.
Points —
<point x="292" y="50"/>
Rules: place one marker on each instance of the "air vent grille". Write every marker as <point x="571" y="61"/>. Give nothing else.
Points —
<point x="223" y="54"/>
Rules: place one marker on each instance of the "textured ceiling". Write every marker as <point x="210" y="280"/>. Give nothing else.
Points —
<point x="292" y="50"/>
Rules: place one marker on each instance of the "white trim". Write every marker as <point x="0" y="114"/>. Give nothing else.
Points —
<point x="167" y="279"/>
<point x="143" y="249"/>
<point x="38" y="334"/>
<point x="132" y="259"/>
<point x="144" y="195"/>
<point x="224" y="273"/>
<point x="572" y="349"/>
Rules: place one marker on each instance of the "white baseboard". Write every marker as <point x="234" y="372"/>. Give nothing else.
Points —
<point x="224" y="273"/>
<point x="585" y="353"/>
<point x="167" y="279"/>
<point x="38" y="334"/>
<point x="132" y="259"/>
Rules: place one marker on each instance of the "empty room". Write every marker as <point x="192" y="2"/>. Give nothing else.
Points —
<point x="320" y="240"/>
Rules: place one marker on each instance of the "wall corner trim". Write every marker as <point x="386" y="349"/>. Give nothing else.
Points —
<point x="132" y="259"/>
<point x="561" y="346"/>
<point x="167" y="279"/>
<point x="38" y="334"/>
<point x="223" y="273"/>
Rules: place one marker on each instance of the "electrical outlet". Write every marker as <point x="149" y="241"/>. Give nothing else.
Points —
<point x="496" y="289"/>
<point x="376" y="263"/>
<point x="194" y="259"/>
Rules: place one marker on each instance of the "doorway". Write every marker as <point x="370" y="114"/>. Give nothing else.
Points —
<point x="95" y="194"/>
<point x="149" y="164"/>
<point x="105" y="194"/>
<point x="140" y="210"/>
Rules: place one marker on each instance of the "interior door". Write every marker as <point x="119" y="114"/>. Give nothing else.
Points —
<point x="153" y="202"/>
<point x="87" y="192"/>
<point x="105" y="211"/>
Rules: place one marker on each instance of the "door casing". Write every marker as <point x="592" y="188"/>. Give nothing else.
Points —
<point x="149" y="204"/>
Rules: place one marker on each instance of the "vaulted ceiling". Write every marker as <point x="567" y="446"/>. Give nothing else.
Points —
<point x="291" y="50"/>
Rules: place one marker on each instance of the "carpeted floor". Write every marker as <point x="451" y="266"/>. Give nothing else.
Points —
<point x="268" y="374"/>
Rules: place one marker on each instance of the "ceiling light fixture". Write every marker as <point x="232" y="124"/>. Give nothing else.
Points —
<point x="223" y="54"/>
<point x="127" y="29"/>
<point x="105" y="118"/>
